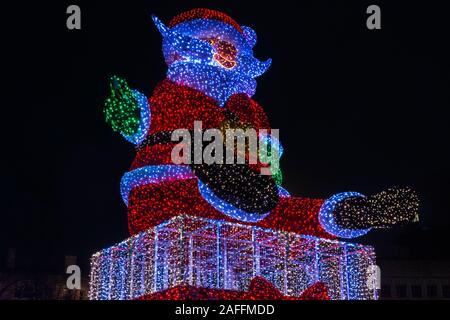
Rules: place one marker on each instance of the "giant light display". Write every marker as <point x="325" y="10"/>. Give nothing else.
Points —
<point x="224" y="231"/>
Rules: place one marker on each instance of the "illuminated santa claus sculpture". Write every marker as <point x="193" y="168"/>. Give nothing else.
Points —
<point x="225" y="230"/>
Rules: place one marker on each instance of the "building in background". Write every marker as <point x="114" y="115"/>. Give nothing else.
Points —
<point x="415" y="279"/>
<point x="16" y="284"/>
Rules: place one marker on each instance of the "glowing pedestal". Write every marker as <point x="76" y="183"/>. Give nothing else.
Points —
<point x="222" y="255"/>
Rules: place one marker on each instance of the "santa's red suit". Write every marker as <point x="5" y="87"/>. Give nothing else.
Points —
<point x="152" y="202"/>
<point x="175" y="106"/>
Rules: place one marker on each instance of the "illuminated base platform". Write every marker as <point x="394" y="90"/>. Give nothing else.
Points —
<point x="222" y="256"/>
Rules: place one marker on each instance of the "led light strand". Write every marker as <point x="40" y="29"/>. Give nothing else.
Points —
<point x="327" y="219"/>
<point x="152" y="174"/>
<point x="165" y="253"/>
<point x="144" y="119"/>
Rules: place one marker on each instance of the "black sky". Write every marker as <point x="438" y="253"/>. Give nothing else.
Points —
<point x="357" y="110"/>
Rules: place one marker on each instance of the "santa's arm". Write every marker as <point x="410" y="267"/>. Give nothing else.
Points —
<point x="127" y="111"/>
<point x="351" y="214"/>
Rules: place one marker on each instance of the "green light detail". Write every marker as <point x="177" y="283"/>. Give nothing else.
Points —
<point x="266" y="157"/>
<point x="121" y="111"/>
<point x="278" y="177"/>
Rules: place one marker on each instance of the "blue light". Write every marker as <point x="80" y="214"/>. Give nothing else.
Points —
<point x="283" y="193"/>
<point x="191" y="58"/>
<point x="159" y="173"/>
<point x="215" y="82"/>
<point x="144" y="122"/>
<point x="327" y="221"/>
<point x="152" y="174"/>
<point x="227" y="208"/>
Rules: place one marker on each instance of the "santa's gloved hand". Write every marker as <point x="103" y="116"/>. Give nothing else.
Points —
<point x="394" y="206"/>
<point x="122" y="111"/>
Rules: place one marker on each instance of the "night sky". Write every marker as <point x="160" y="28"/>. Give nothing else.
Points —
<point x="358" y="110"/>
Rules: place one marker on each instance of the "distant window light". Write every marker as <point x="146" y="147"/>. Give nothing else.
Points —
<point x="386" y="291"/>
<point x="416" y="291"/>
<point x="431" y="291"/>
<point x="446" y="291"/>
<point x="401" y="290"/>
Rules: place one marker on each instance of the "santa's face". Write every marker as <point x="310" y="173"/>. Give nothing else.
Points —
<point x="212" y="43"/>
<point x="224" y="52"/>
